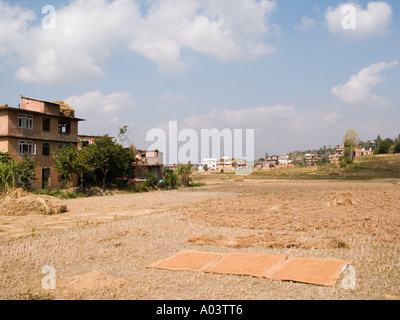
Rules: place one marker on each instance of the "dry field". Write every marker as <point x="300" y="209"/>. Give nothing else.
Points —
<point x="102" y="246"/>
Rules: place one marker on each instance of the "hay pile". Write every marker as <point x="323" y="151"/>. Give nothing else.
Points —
<point x="342" y="199"/>
<point x="66" y="109"/>
<point x="21" y="203"/>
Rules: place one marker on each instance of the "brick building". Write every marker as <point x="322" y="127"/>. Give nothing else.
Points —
<point x="38" y="128"/>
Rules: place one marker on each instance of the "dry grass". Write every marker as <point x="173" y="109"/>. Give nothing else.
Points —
<point x="107" y="257"/>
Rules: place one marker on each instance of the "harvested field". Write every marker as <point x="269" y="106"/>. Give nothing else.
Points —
<point x="102" y="247"/>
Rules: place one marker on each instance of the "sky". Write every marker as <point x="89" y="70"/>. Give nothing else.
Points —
<point x="297" y="73"/>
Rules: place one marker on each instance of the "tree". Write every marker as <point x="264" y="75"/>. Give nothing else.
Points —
<point x="397" y="148"/>
<point x="66" y="162"/>
<point x="123" y="137"/>
<point x="384" y="147"/>
<point x="351" y="141"/>
<point x="26" y="171"/>
<point x="184" y="173"/>
<point x="8" y="172"/>
<point x="378" y="141"/>
<point x="397" y="139"/>
<point x="171" y="179"/>
<point x="109" y="160"/>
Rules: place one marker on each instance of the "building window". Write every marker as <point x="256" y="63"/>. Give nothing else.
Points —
<point x="26" y="147"/>
<point x="46" y="149"/>
<point x="25" y="121"/>
<point x="46" y="124"/>
<point x="64" y="127"/>
<point x="84" y="143"/>
<point x="61" y="145"/>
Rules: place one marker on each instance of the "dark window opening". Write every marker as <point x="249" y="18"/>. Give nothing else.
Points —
<point x="46" y="149"/>
<point x="46" y="124"/>
<point x="85" y="143"/>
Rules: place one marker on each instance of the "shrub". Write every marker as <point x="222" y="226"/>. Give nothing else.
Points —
<point x="171" y="179"/>
<point x="397" y="148"/>
<point x="184" y="173"/>
<point x="152" y="180"/>
<point x="345" y="161"/>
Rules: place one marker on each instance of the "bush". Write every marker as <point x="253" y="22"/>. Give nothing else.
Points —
<point x="171" y="179"/>
<point x="345" y="161"/>
<point x="152" y="180"/>
<point x="397" y="148"/>
<point x="184" y="173"/>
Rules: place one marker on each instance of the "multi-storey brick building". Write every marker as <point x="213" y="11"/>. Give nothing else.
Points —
<point x="39" y="129"/>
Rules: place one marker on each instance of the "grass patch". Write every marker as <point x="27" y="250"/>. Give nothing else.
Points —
<point x="61" y="194"/>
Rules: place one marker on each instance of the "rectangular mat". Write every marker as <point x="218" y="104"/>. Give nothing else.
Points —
<point x="187" y="260"/>
<point x="323" y="272"/>
<point x="256" y="265"/>
<point x="316" y="271"/>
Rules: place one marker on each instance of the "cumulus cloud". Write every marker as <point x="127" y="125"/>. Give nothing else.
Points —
<point x="369" y="22"/>
<point x="106" y="112"/>
<point x="359" y="88"/>
<point x="14" y="23"/>
<point x="305" y="24"/>
<point x="88" y="32"/>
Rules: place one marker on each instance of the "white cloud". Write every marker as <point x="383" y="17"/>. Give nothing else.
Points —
<point x="369" y="22"/>
<point x="14" y="23"/>
<point x="305" y="24"/>
<point x="104" y="113"/>
<point x="359" y="88"/>
<point x="228" y="30"/>
<point x="88" y="32"/>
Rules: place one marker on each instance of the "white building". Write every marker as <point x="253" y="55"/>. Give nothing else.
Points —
<point x="210" y="163"/>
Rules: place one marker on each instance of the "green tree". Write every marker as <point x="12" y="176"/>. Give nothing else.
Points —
<point x="8" y="172"/>
<point x="384" y="147"/>
<point x="397" y="148"/>
<point x="26" y="171"/>
<point x="171" y="179"/>
<point x="66" y="162"/>
<point x="109" y="160"/>
<point x="378" y="141"/>
<point x="184" y="173"/>
<point x="351" y="141"/>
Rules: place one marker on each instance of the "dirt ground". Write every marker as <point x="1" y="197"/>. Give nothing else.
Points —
<point x="102" y="247"/>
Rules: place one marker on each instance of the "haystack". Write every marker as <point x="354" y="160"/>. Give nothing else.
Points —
<point x="21" y="203"/>
<point x="344" y="198"/>
<point x="66" y="109"/>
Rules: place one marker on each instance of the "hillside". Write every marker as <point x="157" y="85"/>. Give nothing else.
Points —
<point x="366" y="168"/>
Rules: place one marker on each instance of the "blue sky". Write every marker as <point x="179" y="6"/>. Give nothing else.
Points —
<point x="285" y="68"/>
